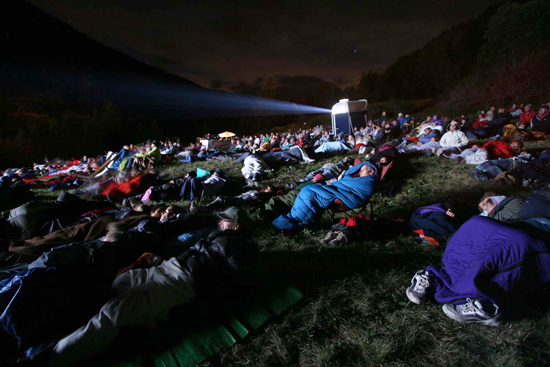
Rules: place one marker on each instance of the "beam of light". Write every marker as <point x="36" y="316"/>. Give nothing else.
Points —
<point x="155" y="96"/>
<point x="192" y="102"/>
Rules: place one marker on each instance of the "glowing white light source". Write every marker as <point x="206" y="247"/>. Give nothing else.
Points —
<point x="344" y="100"/>
<point x="340" y="109"/>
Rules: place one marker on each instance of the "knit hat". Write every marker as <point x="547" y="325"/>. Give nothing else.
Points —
<point x="319" y="178"/>
<point x="454" y="122"/>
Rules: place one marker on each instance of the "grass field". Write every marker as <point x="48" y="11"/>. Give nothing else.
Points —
<point x="355" y="311"/>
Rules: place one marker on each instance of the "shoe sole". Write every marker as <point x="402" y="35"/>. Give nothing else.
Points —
<point x="413" y="298"/>
<point x="447" y="310"/>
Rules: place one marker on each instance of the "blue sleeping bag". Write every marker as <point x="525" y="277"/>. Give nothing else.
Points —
<point x="486" y="260"/>
<point x="332" y="147"/>
<point x="314" y="199"/>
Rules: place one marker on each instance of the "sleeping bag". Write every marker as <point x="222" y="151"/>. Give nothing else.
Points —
<point x="488" y="261"/>
<point x="314" y="199"/>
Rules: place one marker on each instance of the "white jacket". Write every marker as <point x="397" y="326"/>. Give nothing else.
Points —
<point x="254" y="164"/>
<point x="454" y="139"/>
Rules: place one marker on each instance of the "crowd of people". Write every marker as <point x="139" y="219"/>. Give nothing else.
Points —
<point x="120" y="239"/>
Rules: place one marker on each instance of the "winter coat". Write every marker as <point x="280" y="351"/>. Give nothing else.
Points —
<point x="254" y="164"/>
<point x="153" y="154"/>
<point x="525" y="118"/>
<point x="221" y="261"/>
<point x="508" y="210"/>
<point x="541" y="124"/>
<point x="454" y="139"/>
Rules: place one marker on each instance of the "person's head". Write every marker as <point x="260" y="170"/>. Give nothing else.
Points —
<point x="543" y="110"/>
<point x="516" y="146"/>
<point x="169" y="212"/>
<point x="395" y="122"/>
<point x="484" y="198"/>
<point x="427" y="130"/>
<point x="366" y="170"/>
<point x="192" y="174"/>
<point x="157" y="211"/>
<point x="453" y="126"/>
<point x="229" y="219"/>
<point x="501" y="110"/>
<point x="429" y="118"/>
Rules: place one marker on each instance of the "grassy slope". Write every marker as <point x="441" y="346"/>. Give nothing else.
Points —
<point x="355" y="311"/>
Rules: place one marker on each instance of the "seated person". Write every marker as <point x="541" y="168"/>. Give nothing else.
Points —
<point x="149" y="159"/>
<point x="484" y="275"/>
<point x="539" y="127"/>
<point x="453" y="141"/>
<point x="354" y="190"/>
<point x="427" y="144"/>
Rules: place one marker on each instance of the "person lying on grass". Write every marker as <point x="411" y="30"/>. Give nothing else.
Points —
<point x="220" y="263"/>
<point x="484" y="276"/>
<point x="248" y="198"/>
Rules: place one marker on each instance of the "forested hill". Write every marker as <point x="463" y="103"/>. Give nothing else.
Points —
<point x="499" y="57"/>
<point x="428" y="71"/>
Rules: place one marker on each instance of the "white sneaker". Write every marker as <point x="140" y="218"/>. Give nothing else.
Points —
<point x="339" y="240"/>
<point x="420" y="285"/>
<point x="439" y="152"/>
<point x="473" y="311"/>
<point x="329" y="237"/>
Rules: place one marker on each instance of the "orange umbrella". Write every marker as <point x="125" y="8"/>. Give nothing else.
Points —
<point x="226" y="134"/>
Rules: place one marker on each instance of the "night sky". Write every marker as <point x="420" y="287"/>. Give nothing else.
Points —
<point x="220" y="43"/>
